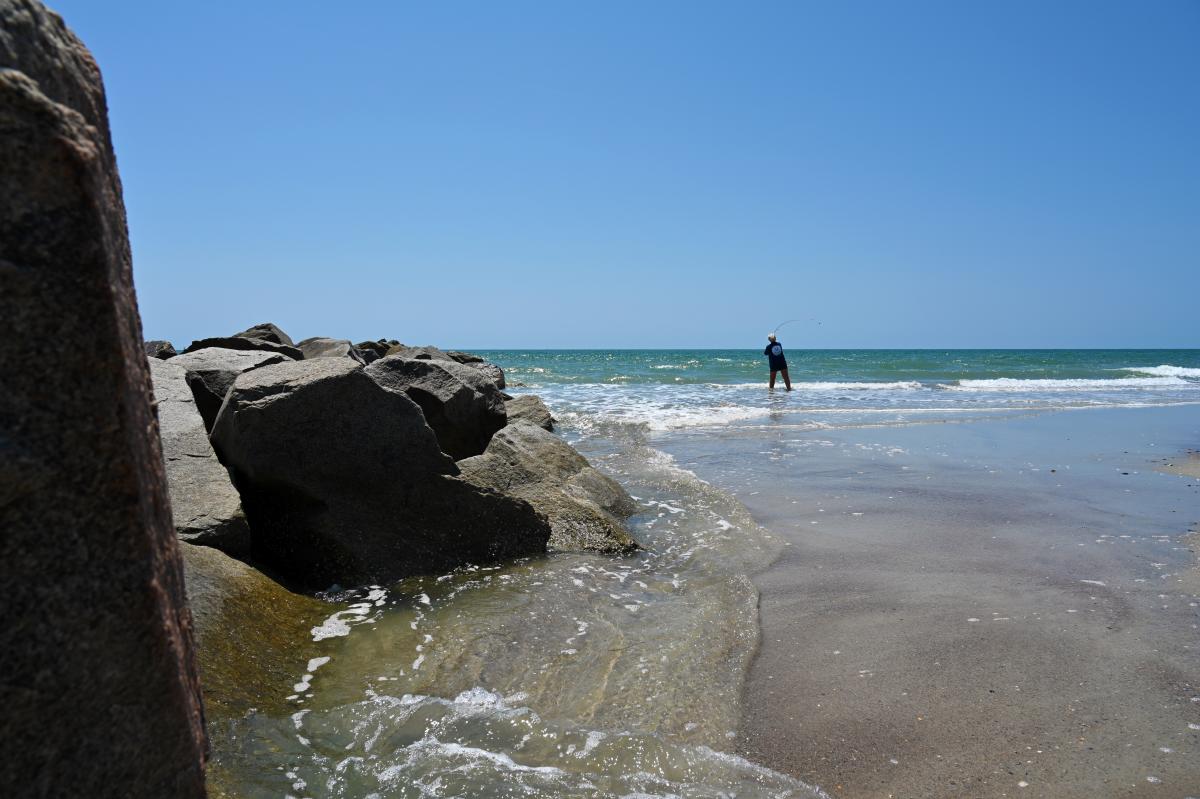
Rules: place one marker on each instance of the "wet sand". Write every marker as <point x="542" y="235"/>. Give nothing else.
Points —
<point x="1185" y="465"/>
<point x="995" y="608"/>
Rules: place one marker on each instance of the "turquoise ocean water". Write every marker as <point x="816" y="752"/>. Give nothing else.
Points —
<point x="670" y="389"/>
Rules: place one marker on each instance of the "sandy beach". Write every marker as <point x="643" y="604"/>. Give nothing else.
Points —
<point x="1186" y="465"/>
<point x="994" y="608"/>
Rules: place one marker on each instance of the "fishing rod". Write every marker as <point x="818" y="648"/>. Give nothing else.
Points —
<point x="788" y="322"/>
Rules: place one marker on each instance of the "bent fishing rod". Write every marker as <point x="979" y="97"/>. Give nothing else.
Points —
<point x="775" y="330"/>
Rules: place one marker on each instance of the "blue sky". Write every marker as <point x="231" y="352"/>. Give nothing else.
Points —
<point x="659" y="174"/>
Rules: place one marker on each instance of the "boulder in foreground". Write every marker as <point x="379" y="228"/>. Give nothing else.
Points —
<point x="460" y="404"/>
<point x="204" y="504"/>
<point x="98" y="688"/>
<point x="585" y="507"/>
<point x="343" y="482"/>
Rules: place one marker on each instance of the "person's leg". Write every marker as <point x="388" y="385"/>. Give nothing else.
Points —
<point x="772" y="379"/>
<point x="787" y="381"/>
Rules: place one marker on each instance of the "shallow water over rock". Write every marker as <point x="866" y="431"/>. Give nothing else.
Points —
<point x="568" y="675"/>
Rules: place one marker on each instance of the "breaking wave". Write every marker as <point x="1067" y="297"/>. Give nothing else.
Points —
<point x="1165" y="370"/>
<point x="483" y="743"/>
<point x="1117" y="383"/>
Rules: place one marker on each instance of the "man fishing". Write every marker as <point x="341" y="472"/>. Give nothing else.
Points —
<point x="776" y="361"/>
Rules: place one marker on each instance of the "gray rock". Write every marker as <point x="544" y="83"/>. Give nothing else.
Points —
<point x="204" y="504"/>
<point x="465" y="357"/>
<point x="267" y="332"/>
<point x="529" y="408"/>
<point x="460" y="404"/>
<point x="212" y="370"/>
<point x="159" y="349"/>
<point x="98" y="681"/>
<point x="425" y="353"/>
<point x="246" y="344"/>
<point x="585" y="507"/>
<point x="343" y="482"/>
<point x="372" y="351"/>
<point x="491" y="370"/>
<point x="318" y="347"/>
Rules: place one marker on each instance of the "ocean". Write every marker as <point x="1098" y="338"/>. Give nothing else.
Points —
<point x="674" y="389"/>
<point x="581" y="675"/>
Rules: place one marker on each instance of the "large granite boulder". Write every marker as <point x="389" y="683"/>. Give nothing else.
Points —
<point x="252" y="634"/>
<point x="160" y="349"/>
<point x="343" y="482"/>
<point x="585" y="507"/>
<point x="267" y="332"/>
<point x="461" y="405"/>
<point x="529" y="408"/>
<point x="99" y="694"/>
<point x="243" y="343"/>
<point x="204" y="504"/>
<point x="493" y="372"/>
<point x="425" y="353"/>
<point x="318" y="347"/>
<point x="212" y="370"/>
<point x="465" y="357"/>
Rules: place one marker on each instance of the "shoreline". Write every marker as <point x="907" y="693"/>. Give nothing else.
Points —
<point x="948" y="627"/>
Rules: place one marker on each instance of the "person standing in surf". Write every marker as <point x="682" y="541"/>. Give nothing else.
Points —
<point x="776" y="361"/>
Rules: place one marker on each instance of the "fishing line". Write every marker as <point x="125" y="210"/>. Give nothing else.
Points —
<point x="788" y="322"/>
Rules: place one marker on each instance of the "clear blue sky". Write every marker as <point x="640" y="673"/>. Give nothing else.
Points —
<point x="657" y="174"/>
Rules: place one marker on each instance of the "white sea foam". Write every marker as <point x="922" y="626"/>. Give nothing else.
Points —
<point x="657" y="417"/>
<point x="441" y="747"/>
<point x="337" y="625"/>
<point x="1116" y="383"/>
<point x="827" y="385"/>
<point x="899" y="385"/>
<point x="1166" y="370"/>
<point x="497" y="758"/>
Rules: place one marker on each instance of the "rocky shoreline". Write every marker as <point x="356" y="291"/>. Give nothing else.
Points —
<point x="264" y="468"/>
<point x="301" y="467"/>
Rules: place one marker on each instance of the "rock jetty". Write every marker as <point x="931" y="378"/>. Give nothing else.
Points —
<point x="259" y="461"/>
<point x="344" y="482"/>
<point x="363" y="463"/>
